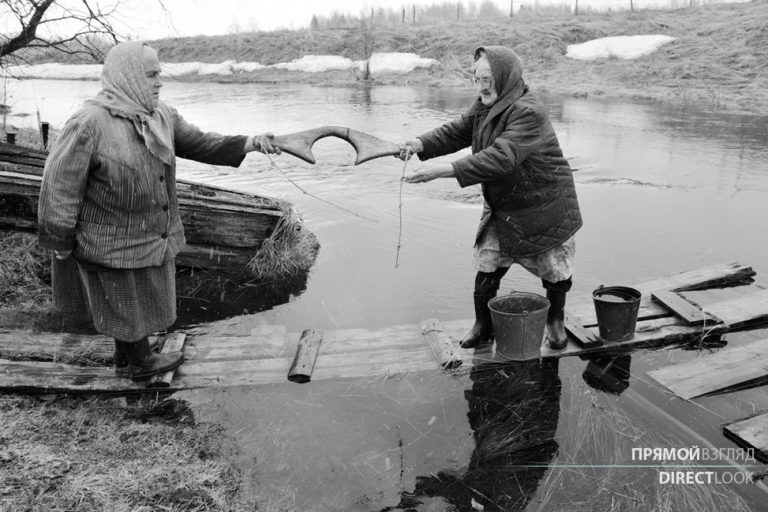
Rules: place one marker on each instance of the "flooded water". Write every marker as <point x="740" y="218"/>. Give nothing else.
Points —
<point x="661" y="191"/>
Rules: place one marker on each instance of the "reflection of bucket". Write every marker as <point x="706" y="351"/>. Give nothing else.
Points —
<point x="519" y="320"/>
<point x="616" y="308"/>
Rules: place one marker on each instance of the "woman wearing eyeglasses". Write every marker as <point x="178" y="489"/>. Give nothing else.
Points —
<point x="530" y="212"/>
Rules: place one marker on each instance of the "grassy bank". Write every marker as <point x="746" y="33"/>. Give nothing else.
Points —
<point x="719" y="60"/>
<point x="61" y="453"/>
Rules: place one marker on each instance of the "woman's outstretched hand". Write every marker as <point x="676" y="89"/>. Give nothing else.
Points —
<point x="262" y="143"/>
<point x="410" y="148"/>
<point x="430" y="172"/>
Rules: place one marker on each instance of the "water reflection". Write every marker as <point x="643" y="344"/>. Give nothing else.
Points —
<point x="203" y="296"/>
<point x="608" y="373"/>
<point x="513" y="410"/>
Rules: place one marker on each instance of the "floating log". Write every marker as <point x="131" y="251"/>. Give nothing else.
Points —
<point x="441" y="345"/>
<point x="742" y="366"/>
<point x="367" y="146"/>
<point x="224" y="228"/>
<point x="306" y="355"/>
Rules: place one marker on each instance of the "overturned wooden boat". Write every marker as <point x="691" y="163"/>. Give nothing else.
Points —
<point x="225" y="229"/>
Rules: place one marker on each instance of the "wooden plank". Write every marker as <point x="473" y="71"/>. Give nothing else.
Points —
<point x="583" y="309"/>
<point x="752" y="432"/>
<point x="440" y="344"/>
<point x="59" y="377"/>
<point x="584" y="337"/>
<point x="375" y="364"/>
<point x="741" y="311"/>
<point x="44" y="345"/>
<point x="174" y="342"/>
<point x="681" y="307"/>
<point x="306" y="355"/>
<point x="652" y="332"/>
<point x="718" y="371"/>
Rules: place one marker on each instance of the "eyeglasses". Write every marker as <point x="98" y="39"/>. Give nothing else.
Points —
<point x="484" y="81"/>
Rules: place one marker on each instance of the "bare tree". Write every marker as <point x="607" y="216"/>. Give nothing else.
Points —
<point x="73" y="27"/>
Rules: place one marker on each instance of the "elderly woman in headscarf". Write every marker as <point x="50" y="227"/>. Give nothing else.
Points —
<point x="530" y="212"/>
<point x="108" y="199"/>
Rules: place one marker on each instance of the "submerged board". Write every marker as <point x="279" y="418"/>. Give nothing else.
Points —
<point x="719" y="371"/>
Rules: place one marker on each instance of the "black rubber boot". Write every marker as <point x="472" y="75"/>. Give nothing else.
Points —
<point x="118" y="358"/>
<point x="486" y="287"/>
<point x="556" y="335"/>
<point x="143" y="363"/>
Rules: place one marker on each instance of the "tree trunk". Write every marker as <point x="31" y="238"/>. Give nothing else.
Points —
<point x="576" y="9"/>
<point x="511" y="8"/>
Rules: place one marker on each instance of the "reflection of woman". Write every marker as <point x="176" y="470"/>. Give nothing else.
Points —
<point x="531" y="212"/>
<point x="108" y="198"/>
<point x="513" y="412"/>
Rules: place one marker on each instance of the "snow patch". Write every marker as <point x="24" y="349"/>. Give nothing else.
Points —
<point x="397" y="62"/>
<point x="316" y="63"/>
<point x="620" y="47"/>
<point x="379" y="63"/>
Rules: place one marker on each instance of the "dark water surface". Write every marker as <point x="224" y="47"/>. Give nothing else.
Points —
<point x="661" y="191"/>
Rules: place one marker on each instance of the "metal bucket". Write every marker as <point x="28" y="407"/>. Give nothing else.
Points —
<point x="519" y="320"/>
<point x="616" y="308"/>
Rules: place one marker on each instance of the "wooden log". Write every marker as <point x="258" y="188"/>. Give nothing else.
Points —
<point x="747" y="365"/>
<point x="681" y="307"/>
<point x="174" y="342"/>
<point x="440" y="344"/>
<point x="752" y="432"/>
<point x="367" y="146"/>
<point x="306" y="355"/>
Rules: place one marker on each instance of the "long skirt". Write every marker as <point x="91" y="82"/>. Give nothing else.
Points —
<point x="553" y="265"/>
<point x="67" y="289"/>
<point x="129" y="304"/>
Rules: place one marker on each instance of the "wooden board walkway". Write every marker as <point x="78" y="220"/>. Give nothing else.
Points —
<point x="217" y="356"/>
<point x="751" y="432"/>
<point x="719" y="371"/>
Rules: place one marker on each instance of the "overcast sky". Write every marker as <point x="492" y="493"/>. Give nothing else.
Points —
<point x="155" y="19"/>
<point x="144" y="19"/>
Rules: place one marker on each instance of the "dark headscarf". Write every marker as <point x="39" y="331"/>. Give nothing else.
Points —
<point x="507" y="69"/>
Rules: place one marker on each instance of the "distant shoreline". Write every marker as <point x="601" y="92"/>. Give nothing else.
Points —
<point x="718" y="61"/>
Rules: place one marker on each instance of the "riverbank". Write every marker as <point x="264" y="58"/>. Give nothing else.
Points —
<point x="717" y="62"/>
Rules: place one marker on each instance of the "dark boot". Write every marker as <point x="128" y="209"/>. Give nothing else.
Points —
<point x="143" y="363"/>
<point x="481" y="332"/>
<point x="118" y="358"/>
<point x="556" y="335"/>
<point x="486" y="287"/>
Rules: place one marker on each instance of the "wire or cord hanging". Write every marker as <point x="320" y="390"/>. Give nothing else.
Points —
<point x="400" y="207"/>
<point x="277" y="167"/>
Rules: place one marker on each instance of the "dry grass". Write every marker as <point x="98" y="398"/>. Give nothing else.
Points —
<point x="289" y="251"/>
<point x="24" y="270"/>
<point x="606" y="436"/>
<point x="105" y="454"/>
